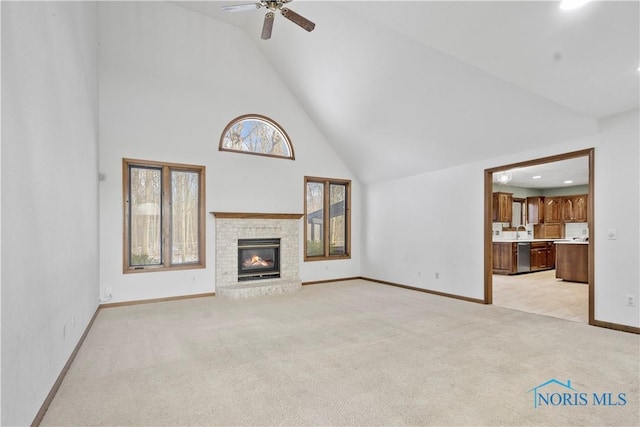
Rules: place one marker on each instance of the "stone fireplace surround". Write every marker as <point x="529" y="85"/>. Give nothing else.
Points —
<point x="231" y="226"/>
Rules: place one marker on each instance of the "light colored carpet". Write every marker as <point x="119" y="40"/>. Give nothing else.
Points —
<point x="344" y="353"/>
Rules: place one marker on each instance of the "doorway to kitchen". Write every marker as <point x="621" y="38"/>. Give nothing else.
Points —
<point x="536" y="289"/>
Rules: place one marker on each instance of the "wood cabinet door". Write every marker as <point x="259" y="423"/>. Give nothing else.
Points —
<point x="574" y="208"/>
<point x="551" y="255"/>
<point x="580" y="208"/>
<point x="552" y="209"/>
<point x="535" y="210"/>
<point x="540" y="255"/>
<point x="504" y="258"/>
<point x="552" y="231"/>
<point x="506" y="208"/>
<point x="502" y="207"/>
<point x="534" y="259"/>
<point x="567" y="209"/>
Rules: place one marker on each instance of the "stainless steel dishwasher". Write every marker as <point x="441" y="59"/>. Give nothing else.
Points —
<point x="524" y="257"/>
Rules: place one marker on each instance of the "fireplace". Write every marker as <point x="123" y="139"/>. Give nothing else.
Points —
<point x="233" y="229"/>
<point x="258" y="259"/>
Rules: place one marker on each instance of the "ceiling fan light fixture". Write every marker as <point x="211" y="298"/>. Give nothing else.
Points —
<point x="273" y="5"/>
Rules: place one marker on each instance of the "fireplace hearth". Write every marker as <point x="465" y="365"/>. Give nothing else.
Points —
<point x="258" y="259"/>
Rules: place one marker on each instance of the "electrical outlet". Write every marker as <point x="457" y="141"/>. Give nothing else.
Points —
<point x="437" y="275"/>
<point x="631" y="300"/>
<point x="419" y="273"/>
<point x="107" y="292"/>
<point x="612" y="234"/>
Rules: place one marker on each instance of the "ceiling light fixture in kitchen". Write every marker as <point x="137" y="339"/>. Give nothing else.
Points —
<point x="568" y="181"/>
<point x="504" y="177"/>
<point x="536" y="177"/>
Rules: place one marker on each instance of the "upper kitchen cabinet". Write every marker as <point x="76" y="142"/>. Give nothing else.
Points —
<point x="552" y="210"/>
<point x="535" y="210"/>
<point x="502" y="207"/>
<point x="574" y="208"/>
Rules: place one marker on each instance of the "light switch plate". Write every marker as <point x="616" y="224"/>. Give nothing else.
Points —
<point x="612" y="234"/>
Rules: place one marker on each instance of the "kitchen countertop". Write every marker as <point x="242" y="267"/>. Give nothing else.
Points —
<point x="525" y="240"/>
<point x="556" y="241"/>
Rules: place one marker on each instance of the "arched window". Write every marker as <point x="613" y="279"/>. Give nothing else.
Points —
<point x="256" y="134"/>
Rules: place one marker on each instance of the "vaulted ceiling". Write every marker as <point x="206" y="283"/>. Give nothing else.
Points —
<point x="401" y="88"/>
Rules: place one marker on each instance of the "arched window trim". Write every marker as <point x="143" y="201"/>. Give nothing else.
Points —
<point x="266" y="120"/>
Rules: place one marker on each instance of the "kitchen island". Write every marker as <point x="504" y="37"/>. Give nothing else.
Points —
<point x="572" y="261"/>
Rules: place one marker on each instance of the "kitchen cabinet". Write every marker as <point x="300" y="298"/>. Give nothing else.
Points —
<point x="553" y="210"/>
<point x="548" y="231"/>
<point x="574" y="208"/>
<point x="541" y="256"/>
<point x="502" y="207"/>
<point x="551" y="255"/>
<point x="504" y="258"/>
<point x="535" y="210"/>
<point x="572" y="262"/>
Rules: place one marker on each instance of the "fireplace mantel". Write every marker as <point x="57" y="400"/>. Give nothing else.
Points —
<point x="256" y="215"/>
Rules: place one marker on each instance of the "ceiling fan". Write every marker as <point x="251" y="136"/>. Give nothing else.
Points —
<point x="272" y="5"/>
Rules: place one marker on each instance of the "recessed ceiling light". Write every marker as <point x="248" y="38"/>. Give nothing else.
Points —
<point x="536" y="177"/>
<point x="572" y="4"/>
<point x="568" y="181"/>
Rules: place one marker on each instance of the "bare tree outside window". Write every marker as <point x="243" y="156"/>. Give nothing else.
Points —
<point x="164" y="216"/>
<point x="315" y="219"/>
<point x="146" y="217"/>
<point x="327" y="236"/>
<point x="256" y="134"/>
<point x="184" y="217"/>
<point x="337" y="215"/>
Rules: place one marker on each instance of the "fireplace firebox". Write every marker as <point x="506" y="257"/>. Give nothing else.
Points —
<point x="258" y="259"/>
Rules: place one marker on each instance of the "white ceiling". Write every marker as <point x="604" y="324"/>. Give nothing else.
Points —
<point x="401" y="88"/>
<point x="552" y="175"/>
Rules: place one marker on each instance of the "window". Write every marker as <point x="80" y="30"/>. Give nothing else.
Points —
<point x="256" y="134"/>
<point x="163" y="216"/>
<point x="327" y="219"/>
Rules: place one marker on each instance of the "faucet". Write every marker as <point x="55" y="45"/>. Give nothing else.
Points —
<point x="518" y="228"/>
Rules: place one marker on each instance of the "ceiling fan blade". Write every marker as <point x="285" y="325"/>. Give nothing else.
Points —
<point x="297" y="19"/>
<point x="241" y="7"/>
<point x="267" y="26"/>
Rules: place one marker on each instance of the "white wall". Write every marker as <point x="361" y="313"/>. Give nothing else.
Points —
<point x="49" y="195"/>
<point x="170" y="81"/>
<point x="434" y="223"/>
<point x="426" y="224"/>
<point x="617" y="182"/>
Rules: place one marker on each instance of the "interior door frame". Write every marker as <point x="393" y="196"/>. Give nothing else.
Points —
<point x="488" y="232"/>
